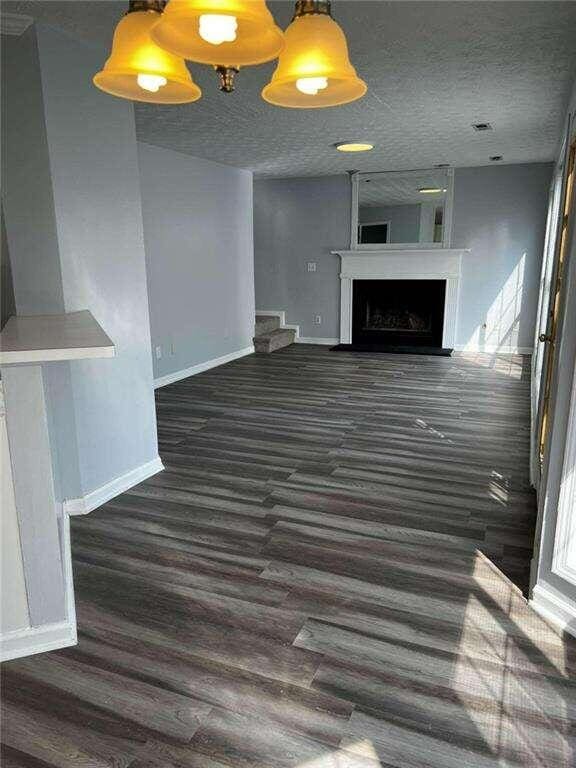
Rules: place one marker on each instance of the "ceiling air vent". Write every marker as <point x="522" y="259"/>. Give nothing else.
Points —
<point x="482" y="126"/>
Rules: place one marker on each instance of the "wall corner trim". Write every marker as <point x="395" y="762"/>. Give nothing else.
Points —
<point x="170" y="378"/>
<point x="27" y="641"/>
<point x="50" y="637"/>
<point x="99" y="496"/>
<point x="32" y="640"/>
<point x="554" y="609"/>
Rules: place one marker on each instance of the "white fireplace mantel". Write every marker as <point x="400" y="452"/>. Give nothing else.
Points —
<point x="402" y="264"/>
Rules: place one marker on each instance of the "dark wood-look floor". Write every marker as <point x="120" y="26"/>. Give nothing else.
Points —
<point x="327" y="575"/>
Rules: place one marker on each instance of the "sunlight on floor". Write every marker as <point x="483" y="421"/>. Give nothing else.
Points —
<point x="508" y="365"/>
<point x="504" y="646"/>
<point x="503" y="606"/>
<point x="431" y="430"/>
<point x="496" y="492"/>
<point x="360" y="754"/>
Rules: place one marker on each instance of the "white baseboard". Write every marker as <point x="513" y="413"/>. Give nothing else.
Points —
<point x="101" y="495"/>
<point x="553" y="608"/>
<point x="281" y="315"/>
<point x="30" y="640"/>
<point x="170" y="378"/>
<point x="327" y="342"/>
<point x="26" y="642"/>
<point x="493" y="349"/>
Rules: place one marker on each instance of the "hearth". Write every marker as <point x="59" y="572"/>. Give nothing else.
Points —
<point x="398" y="314"/>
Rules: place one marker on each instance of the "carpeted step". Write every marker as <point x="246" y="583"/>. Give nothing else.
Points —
<point x="270" y="342"/>
<point x="266" y="324"/>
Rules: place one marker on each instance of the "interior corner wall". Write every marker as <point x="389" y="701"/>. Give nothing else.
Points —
<point x="27" y="196"/>
<point x="297" y="221"/>
<point x="499" y="212"/>
<point x="7" y="300"/>
<point x="26" y="182"/>
<point x="96" y="186"/>
<point x="71" y="167"/>
<point x="198" y="229"/>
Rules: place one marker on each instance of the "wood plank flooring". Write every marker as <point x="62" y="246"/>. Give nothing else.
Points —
<point x="328" y="574"/>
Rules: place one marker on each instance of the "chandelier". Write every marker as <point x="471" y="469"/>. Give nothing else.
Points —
<point x="153" y="39"/>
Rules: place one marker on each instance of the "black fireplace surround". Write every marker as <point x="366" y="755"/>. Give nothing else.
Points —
<point x="398" y="316"/>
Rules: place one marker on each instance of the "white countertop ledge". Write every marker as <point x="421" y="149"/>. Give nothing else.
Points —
<point x="49" y="338"/>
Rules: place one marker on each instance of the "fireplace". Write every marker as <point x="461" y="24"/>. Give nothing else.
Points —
<point x="398" y="313"/>
<point x="426" y="280"/>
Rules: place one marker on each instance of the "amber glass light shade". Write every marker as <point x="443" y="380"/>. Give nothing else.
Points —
<point x="136" y="57"/>
<point x="257" y="38"/>
<point x="316" y="53"/>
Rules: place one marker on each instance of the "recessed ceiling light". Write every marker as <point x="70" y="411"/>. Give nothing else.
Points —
<point x="496" y="158"/>
<point x="353" y="146"/>
<point x="482" y="126"/>
<point x="430" y="190"/>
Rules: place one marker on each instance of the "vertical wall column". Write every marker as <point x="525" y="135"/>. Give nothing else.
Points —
<point x="73" y="220"/>
<point x="34" y="492"/>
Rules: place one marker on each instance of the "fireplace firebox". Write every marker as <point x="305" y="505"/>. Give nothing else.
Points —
<point x="396" y="315"/>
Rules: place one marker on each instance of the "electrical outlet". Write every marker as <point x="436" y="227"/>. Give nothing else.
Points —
<point x="317" y="319"/>
<point x="158" y="351"/>
<point x="311" y="266"/>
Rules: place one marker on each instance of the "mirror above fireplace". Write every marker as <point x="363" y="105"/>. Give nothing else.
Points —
<point x="402" y="209"/>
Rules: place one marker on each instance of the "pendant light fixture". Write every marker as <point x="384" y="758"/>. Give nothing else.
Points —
<point x="314" y="69"/>
<point x="225" y="33"/>
<point x="140" y="70"/>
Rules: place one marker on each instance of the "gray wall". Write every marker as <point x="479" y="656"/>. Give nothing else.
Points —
<point x="31" y="239"/>
<point x="26" y="184"/>
<point x="96" y="187"/>
<point x="404" y="220"/>
<point x="297" y="221"/>
<point x="72" y="210"/>
<point x="27" y="196"/>
<point x="71" y="167"/>
<point x="200" y="258"/>
<point x="14" y="612"/>
<point x="499" y="212"/>
<point x="7" y="300"/>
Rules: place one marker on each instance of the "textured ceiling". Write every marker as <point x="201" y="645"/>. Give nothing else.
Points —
<point x="401" y="189"/>
<point x="432" y="68"/>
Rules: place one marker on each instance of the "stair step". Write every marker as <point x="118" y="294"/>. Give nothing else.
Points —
<point x="266" y="324"/>
<point x="270" y="342"/>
